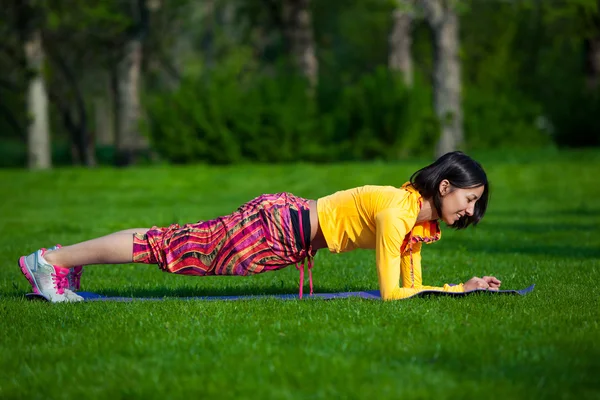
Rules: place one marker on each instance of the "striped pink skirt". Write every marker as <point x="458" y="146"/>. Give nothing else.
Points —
<point x="268" y="233"/>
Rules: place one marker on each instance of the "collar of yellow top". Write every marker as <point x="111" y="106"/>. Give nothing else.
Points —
<point x="427" y="231"/>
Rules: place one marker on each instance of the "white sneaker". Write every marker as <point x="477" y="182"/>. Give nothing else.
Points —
<point x="47" y="280"/>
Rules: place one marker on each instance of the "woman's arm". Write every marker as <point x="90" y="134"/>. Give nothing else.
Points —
<point x="391" y="227"/>
<point x="412" y="278"/>
<point x="411" y="272"/>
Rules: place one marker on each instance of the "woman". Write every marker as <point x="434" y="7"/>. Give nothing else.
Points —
<point x="277" y="230"/>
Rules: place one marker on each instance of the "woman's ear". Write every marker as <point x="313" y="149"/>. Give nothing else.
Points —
<point x="444" y="187"/>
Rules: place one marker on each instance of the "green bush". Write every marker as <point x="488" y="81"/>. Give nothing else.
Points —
<point x="575" y="119"/>
<point x="240" y="114"/>
<point x="378" y="117"/>
<point x="235" y="114"/>
<point x="503" y="119"/>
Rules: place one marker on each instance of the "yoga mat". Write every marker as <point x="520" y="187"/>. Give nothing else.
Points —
<point x="371" y="295"/>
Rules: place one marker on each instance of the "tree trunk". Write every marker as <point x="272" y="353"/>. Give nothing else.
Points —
<point x="89" y="147"/>
<point x="592" y="47"/>
<point x="400" y="41"/>
<point x="104" y="116"/>
<point x="447" y="84"/>
<point x="38" y="148"/>
<point x="114" y="104"/>
<point x="130" y="142"/>
<point x="299" y="35"/>
<point x="75" y="117"/>
<point x="446" y="75"/>
<point x="103" y="122"/>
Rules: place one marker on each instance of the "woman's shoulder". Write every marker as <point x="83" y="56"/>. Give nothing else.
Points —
<point x="396" y="200"/>
<point x="403" y="193"/>
<point x="403" y="190"/>
<point x="376" y="198"/>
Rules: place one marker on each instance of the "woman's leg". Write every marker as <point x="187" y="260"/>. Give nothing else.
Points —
<point x="116" y="248"/>
<point x="50" y="272"/>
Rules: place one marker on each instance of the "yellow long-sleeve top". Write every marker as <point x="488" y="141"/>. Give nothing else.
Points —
<point x="382" y="218"/>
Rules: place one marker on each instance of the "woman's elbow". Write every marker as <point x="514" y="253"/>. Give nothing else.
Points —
<point x="387" y="295"/>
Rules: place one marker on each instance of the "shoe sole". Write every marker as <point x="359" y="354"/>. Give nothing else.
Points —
<point x="25" y="270"/>
<point x="36" y="297"/>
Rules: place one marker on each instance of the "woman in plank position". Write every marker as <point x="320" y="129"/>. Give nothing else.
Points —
<point x="277" y="230"/>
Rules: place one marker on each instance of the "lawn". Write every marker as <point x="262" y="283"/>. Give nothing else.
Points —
<point x="541" y="227"/>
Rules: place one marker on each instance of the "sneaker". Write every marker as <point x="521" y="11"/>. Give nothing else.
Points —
<point x="47" y="280"/>
<point x="74" y="276"/>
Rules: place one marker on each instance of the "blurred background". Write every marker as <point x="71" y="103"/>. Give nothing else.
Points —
<point x="121" y="82"/>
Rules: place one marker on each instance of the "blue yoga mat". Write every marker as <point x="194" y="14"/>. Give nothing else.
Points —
<point x="371" y="295"/>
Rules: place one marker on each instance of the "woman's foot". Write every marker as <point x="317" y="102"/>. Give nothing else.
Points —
<point x="75" y="273"/>
<point x="47" y="280"/>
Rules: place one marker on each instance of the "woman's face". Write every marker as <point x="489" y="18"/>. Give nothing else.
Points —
<point x="458" y="202"/>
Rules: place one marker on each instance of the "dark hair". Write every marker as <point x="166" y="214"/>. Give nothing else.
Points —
<point x="462" y="172"/>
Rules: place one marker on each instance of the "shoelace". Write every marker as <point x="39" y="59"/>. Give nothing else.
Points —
<point x="61" y="282"/>
<point x="75" y="274"/>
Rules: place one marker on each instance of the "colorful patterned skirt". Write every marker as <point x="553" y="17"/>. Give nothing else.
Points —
<point x="268" y="233"/>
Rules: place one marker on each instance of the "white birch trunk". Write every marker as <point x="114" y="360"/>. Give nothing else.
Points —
<point x="447" y="84"/>
<point x="400" y="41"/>
<point x="298" y="30"/>
<point x="38" y="144"/>
<point x="446" y="77"/>
<point x="129" y="139"/>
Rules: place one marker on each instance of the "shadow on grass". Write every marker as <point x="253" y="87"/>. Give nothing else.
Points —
<point x="538" y="371"/>
<point x="208" y="286"/>
<point x="529" y="213"/>
<point x="511" y="247"/>
<point x="542" y="228"/>
<point x="226" y="291"/>
<point x="190" y="292"/>
<point x="532" y="239"/>
<point x="168" y="293"/>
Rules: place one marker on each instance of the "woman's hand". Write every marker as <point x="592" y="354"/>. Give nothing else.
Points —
<point x="486" y="283"/>
<point x="493" y="282"/>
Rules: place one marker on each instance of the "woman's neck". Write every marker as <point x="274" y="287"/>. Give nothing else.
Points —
<point x="428" y="211"/>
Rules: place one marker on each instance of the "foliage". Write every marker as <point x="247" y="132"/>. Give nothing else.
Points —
<point x="232" y="114"/>
<point x="378" y="117"/>
<point x="524" y="65"/>
<point x="571" y="104"/>
<point x="218" y="88"/>
<point x="501" y="119"/>
<point x="575" y="119"/>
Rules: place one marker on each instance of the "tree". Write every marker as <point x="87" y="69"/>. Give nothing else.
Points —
<point x="443" y="19"/>
<point x="298" y="33"/>
<point x="400" y="41"/>
<point x="130" y="142"/>
<point x="80" y="43"/>
<point x="592" y="48"/>
<point x="68" y="97"/>
<point x="38" y="132"/>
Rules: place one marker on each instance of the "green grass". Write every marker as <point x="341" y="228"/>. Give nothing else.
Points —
<point x="542" y="227"/>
